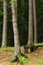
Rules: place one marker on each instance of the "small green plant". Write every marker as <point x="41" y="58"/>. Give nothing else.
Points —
<point x="23" y="59"/>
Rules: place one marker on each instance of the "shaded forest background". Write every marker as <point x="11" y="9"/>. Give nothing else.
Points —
<point x="22" y="21"/>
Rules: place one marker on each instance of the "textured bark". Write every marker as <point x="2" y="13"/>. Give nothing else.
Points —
<point x="15" y="29"/>
<point x="30" y="28"/>
<point x="4" y="24"/>
<point x="35" y="22"/>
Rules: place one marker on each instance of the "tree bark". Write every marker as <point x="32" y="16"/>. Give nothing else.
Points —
<point x="30" y="28"/>
<point x="35" y="22"/>
<point x="4" y="36"/>
<point x="15" y="28"/>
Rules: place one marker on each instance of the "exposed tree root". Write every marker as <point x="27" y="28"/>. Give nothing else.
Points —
<point x="20" y="58"/>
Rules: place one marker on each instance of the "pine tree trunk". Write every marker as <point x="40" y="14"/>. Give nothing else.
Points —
<point x="35" y="23"/>
<point x="15" y="29"/>
<point x="4" y="38"/>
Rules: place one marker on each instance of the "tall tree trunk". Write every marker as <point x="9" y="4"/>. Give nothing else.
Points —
<point x="15" y="28"/>
<point x="35" y="23"/>
<point x="30" y="31"/>
<point x="4" y="24"/>
<point x="30" y="28"/>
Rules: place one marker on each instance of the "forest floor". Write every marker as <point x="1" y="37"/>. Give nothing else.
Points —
<point x="34" y="57"/>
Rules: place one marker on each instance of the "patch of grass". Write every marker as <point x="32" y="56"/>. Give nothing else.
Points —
<point x="14" y="63"/>
<point x="11" y="49"/>
<point x="11" y="63"/>
<point x="40" y="62"/>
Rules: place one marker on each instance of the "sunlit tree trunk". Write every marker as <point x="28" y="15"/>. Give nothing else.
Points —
<point x="4" y="38"/>
<point x="15" y="28"/>
<point x="35" y="23"/>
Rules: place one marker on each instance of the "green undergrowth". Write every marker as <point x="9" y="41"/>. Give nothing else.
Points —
<point x="11" y="49"/>
<point x="22" y="59"/>
<point x="40" y="62"/>
<point x="6" y="49"/>
<point x="12" y="63"/>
